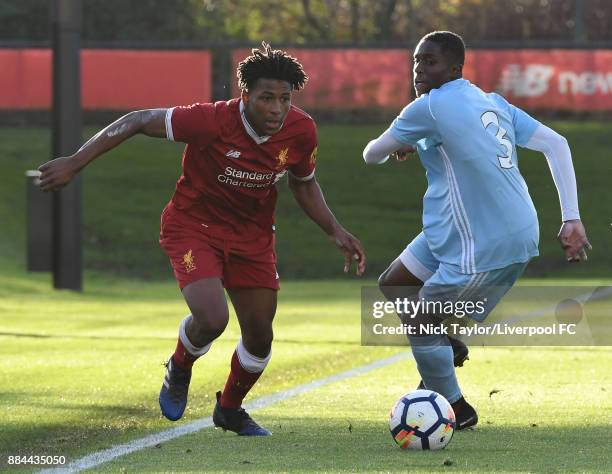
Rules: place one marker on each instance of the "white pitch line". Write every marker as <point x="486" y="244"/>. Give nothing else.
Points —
<point x="100" y="457"/>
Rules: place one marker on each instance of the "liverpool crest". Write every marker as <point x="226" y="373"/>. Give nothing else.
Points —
<point x="188" y="262"/>
<point x="281" y="159"/>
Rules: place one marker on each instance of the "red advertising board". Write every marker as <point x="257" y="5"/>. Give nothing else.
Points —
<point x="111" y="79"/>
<point x="339" y="78"/>
<point x="25" y="81"/>
<point x="116" y="79"/>
<point x="350" y="78"/>
<point x="545" y="79"/>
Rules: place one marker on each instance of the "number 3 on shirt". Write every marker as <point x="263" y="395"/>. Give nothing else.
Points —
<point x="489" y="118"/>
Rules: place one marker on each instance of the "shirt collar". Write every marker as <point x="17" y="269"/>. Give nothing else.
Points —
<point x="456" y="83"/>
<point x="247" y="126"/>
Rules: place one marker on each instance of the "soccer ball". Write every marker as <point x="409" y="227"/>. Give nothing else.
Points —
<point x="422" y="420"/>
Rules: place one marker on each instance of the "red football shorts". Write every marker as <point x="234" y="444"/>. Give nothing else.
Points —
<point x="195" y="254"/>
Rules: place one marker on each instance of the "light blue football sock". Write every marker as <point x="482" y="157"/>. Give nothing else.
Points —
<point x="434" y="357"/>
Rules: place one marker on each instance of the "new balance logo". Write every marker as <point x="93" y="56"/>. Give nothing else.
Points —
<point x="233" y="154"/>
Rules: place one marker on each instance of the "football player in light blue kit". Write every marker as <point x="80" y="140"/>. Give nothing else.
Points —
<point x="480" y="228"/>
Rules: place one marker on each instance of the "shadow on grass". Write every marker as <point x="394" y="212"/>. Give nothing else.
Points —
<point x="88" y="411"/>
<point x="307" y="444"/>
<point x="340" y="445"/>
<point x="96" y="427"/>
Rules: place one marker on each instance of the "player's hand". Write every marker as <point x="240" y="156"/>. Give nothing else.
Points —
<point x="352" y="249"/>
<point x="56" y="174"/>
<point x="574" y="242"/>
<point x="402" y="153"/>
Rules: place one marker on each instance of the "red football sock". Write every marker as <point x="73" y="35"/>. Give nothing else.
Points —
<point x="182" y="357"/>
<point x="238" y="384"/>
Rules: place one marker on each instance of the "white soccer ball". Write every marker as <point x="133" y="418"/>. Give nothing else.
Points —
<point x="422" y="420"/>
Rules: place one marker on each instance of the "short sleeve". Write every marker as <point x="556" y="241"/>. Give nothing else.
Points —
<point x="415" y="122"/>
<point x="524" y="125"/>
<point x="304" y="169"/>
<point x="197" y="123"/>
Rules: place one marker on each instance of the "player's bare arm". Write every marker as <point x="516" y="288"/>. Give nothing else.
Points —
<point x="58" y="172"/>
<point x="309" y="196"/>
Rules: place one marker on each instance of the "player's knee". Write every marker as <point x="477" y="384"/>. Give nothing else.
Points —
<point x="383" y="280"/>
<point x="396" y="282"/>
<point x="259" y="342"/>
<point x="384" y="284"/>
<point x="210" y="324"/>
<point x="387" y="286"/>
<point x="263" y="339"/>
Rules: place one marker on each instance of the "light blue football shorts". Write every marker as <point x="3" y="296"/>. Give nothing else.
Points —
<point x="443" y="282"/>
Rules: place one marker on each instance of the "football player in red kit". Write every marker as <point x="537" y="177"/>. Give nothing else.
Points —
<point x="218" y="228"/>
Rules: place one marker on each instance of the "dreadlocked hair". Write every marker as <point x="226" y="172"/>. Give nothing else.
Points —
<point x="269" y="63"/>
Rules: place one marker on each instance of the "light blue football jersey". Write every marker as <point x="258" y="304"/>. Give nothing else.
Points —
<point x="477" y="212"/>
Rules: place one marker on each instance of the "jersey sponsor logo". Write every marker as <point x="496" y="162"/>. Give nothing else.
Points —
<point x="188" y="262"/>
<point x="233" y="154"/>
<point x="252" y="175"/>
<point x="246" y="179"/>
<point x="313" y="157"/>
<point x="281" y="158"/>
<point x="278" y="176"/>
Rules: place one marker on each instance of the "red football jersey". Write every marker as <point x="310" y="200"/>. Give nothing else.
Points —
<point x="229" y="173"/>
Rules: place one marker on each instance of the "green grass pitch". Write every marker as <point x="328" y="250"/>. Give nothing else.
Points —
<point x="81" y="373"/>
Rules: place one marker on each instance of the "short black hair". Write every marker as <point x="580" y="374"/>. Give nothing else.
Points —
<point x="451" y="44"/>
<point x="269" y="63"/>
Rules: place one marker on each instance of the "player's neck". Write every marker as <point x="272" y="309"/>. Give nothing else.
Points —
<point x="249" y="128"/>
<point x="251" y="125"/>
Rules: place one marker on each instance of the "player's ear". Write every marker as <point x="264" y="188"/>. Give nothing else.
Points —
<point x="244" y="95"/>
<point x="457" y="70"/>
